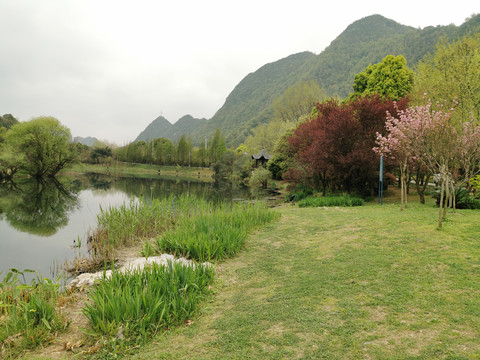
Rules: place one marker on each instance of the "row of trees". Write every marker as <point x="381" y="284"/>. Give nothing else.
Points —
<point x="162" y="151"/>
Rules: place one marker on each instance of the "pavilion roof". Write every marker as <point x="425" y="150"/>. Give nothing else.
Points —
<point x="261" y="154"/>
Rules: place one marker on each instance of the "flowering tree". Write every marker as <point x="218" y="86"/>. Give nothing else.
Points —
<point x="396" y="145"/>
<point x="428" y="136"/>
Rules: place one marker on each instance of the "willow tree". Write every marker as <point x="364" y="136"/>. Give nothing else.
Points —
<point x="43" y="144"/>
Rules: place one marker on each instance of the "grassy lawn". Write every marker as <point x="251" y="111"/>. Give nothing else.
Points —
<point x="366" y="282"/>
<point x="144" y="170"/>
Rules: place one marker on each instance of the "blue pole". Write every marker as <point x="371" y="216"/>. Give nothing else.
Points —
<point x="380" y="183"/>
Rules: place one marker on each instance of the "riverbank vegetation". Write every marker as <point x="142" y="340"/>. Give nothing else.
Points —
<point x="137" y="304"/>
<point x="128" y="308"/>
<point x="182" y="225"/>
<point x="29" y="314"/>
<point x="121" y="169"/>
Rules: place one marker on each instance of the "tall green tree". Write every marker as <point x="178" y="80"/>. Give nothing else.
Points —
<point x="391" y="78"/>
<point x="164" y="151"/>
<point x="184" y="149"/>
<point x="217" y="147"/>
<point x="452" y="75"/>
<point x="43" y="144"/>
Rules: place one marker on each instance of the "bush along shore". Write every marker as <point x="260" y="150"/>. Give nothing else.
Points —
<point x="126" y="308"/>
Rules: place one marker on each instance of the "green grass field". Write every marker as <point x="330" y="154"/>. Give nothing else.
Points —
<point x="367" y="282"/>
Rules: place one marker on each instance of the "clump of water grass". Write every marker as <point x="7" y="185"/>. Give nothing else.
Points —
<point x="215" y="234"/>
<point x="130" y="223"/>
<point x="28" y="314"/>
<point x="321" y="201"/>
<point x="128" y="307"/>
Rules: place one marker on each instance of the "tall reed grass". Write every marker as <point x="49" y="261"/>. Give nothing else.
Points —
<point x="344" y="200"/>
<point x="183" y="225"/>
<point x="28" y="314"/>
<point x="130" y="223"/>
<point x="139" y="303"/>
<point x="214" y="234"/>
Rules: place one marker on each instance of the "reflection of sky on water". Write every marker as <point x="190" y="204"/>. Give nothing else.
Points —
<point x="22" y="250"/>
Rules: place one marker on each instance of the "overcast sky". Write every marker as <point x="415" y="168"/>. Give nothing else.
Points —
<point x="107" y="68"/>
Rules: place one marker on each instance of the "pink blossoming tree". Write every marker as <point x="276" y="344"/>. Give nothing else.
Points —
<point x="422" y="134"/>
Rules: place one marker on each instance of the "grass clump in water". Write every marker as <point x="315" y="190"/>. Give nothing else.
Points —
<point x="127" y="224"/>
<point x="128" y="307"/>
<point x="343" y="200"/>
<point x="28" y="314"/>
<point x="215" y="234"/>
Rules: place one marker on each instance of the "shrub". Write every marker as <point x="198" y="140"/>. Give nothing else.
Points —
<point x="343" y="200"/>
<point x="463" y="199"/>
<point x="475" y="183"/>
<point x="259" y="178"/>
<point x="300" y="192"/>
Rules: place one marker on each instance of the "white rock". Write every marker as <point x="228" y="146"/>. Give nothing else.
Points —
<point x="131" y="264"/>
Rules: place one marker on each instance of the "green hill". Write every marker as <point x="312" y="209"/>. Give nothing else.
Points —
<point x="366" y="41"/>
<point x="161" y="127"/>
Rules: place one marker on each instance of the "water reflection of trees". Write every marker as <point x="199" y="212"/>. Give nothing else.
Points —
<point x="42" y="208"/>
<point x="38" y="207"/>
<point x="160" y="188"/>
<point x="157" y="188"/>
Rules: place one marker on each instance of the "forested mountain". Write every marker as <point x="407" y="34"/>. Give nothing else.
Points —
<point x="161" y="127"/>
<point x="366" y="41"/>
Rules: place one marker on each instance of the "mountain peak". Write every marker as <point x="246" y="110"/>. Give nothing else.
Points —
<point x="155" y="129"/>
<point x="371" y="28"/>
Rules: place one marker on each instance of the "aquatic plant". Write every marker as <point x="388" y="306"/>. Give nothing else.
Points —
<point x="215" y="234"/>
<point x="28" y="314"/>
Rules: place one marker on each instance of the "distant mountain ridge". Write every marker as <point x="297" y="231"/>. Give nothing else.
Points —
<point x="365" y="41"/>
<point x="161" y="127"/>
<point x="89" y="141"/>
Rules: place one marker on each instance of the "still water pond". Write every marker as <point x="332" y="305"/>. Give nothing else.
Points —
<point x="41" y="223"/>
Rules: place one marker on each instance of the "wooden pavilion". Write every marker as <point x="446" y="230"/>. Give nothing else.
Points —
<point x="262" y="157"/>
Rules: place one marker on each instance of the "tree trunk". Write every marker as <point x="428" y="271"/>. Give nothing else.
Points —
<point x="401" y="189"/>
<point x="440" y="214"/>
